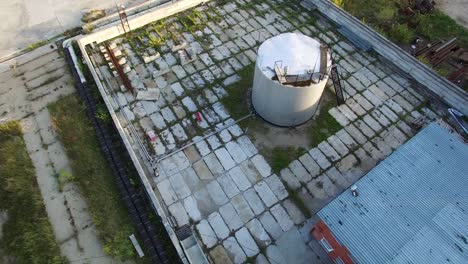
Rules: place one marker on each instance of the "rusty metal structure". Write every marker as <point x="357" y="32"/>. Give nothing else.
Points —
<point x="123" y="77"/>
<point x="123" y="19"/>
<point x="436" y="51"/>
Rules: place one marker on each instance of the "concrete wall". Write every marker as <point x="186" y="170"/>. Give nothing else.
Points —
<point x="284" y="105"/>
<point x="141" y="19"/>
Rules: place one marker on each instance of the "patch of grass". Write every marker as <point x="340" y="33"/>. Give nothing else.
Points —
<point x="237" y="100"/>
<point x="36" y="45"/>
<point x="27" y="235"/>
<point x="401" y="33"/>
<point x="64" y="177"/>
<point x="323" y="124"/>
<point x="385" y="16"/>
<point x="438" y="25"/>
<point x="92" y="173"/>
<point x="281" y="157"/>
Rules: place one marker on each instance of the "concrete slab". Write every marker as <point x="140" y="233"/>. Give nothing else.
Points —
<point x="254" y="201"/>
<point x="309" y="163"/>
<point x="180" y="187"/>
<point x="282" y="217"/>
<point x="239" y="178"/>
<point x="191" y="207"/>
<point x="202" y="146"/>
<point x="289" y="178"/>
<point x="320" y="158"/>
<point x="277" y="186"/>
<point x="270" y="225"/>
<point x="274" y="255"/>
<point x="177" y="210"/>
<point x="250" y="171"/>
<point x="259" y="234"/>
<point x="236" y="151"/>
<point x="225" y="159"/>
<point x="337" y="145"/>
<point x="261" y="165"/>
<point x="218" y="225"/>
<point x="234" y="251"/>
<point x="328" y="151"/>
<point x="230" y="216"/>
<point x="265" y="193"/>
<point x="216" y="193"/>
<point x="213" y="164"/>
<point x="167" y="192"/>
<point x="299" y="171"/>
<point x="294" y="212"/>
<point x="242" y="208"/>
<point x="207" y="234"/>
<point x="228" y="185"/>
<point x="202" y="170"/>
<point x="220" y="256"/>
<point x="246" y="242"/>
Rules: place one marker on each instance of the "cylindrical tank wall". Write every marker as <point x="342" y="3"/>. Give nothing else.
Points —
<point x="284" y="105"/>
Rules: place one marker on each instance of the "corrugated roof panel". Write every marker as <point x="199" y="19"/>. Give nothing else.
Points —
<point x="427" y="246"/>
<point x="401" y="196"/>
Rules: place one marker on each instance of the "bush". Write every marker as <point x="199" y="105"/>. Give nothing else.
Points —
<point x="386" y="14"/>
<point x="339" y="3"/>
<point x="402" y="33"/>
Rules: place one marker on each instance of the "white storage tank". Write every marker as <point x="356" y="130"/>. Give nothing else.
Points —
<point x="290" y="75"/>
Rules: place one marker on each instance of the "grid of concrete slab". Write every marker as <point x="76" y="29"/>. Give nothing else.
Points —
<point x="221" y="185"/>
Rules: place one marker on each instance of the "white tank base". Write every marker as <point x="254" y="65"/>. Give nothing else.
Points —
<point x="283" y="104"/>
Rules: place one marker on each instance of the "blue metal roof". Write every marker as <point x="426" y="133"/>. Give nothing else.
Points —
<point x="411" y="208"/>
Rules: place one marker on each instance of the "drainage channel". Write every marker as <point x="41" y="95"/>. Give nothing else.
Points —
<point x="133" y="199"/>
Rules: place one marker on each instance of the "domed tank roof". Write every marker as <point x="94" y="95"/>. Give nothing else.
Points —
<point x="299" y="53"/>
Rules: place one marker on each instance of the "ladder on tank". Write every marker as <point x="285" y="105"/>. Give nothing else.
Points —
<point x="339" y="87"/>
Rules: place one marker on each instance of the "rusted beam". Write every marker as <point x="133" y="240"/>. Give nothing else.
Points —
<point x="123" y="77"/>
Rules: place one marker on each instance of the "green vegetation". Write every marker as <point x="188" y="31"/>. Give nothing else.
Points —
<point x="281" y="157"/>
<point x="323" y="124"/>
<point x="94" y="177"/>
<point x="64" y="177"/>
<point x="237" y="102"/>
<point x="401" y="33"/>
<point x="386" y="16"/>
<point x="438" y="25"/>
<point x="93" y="15"/>
<point x="27" y="235"/>
<point x="36" y="45"/>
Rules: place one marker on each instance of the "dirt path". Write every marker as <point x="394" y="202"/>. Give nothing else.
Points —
<point x="25" y="92"/>
<point x="456" y="9"/>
